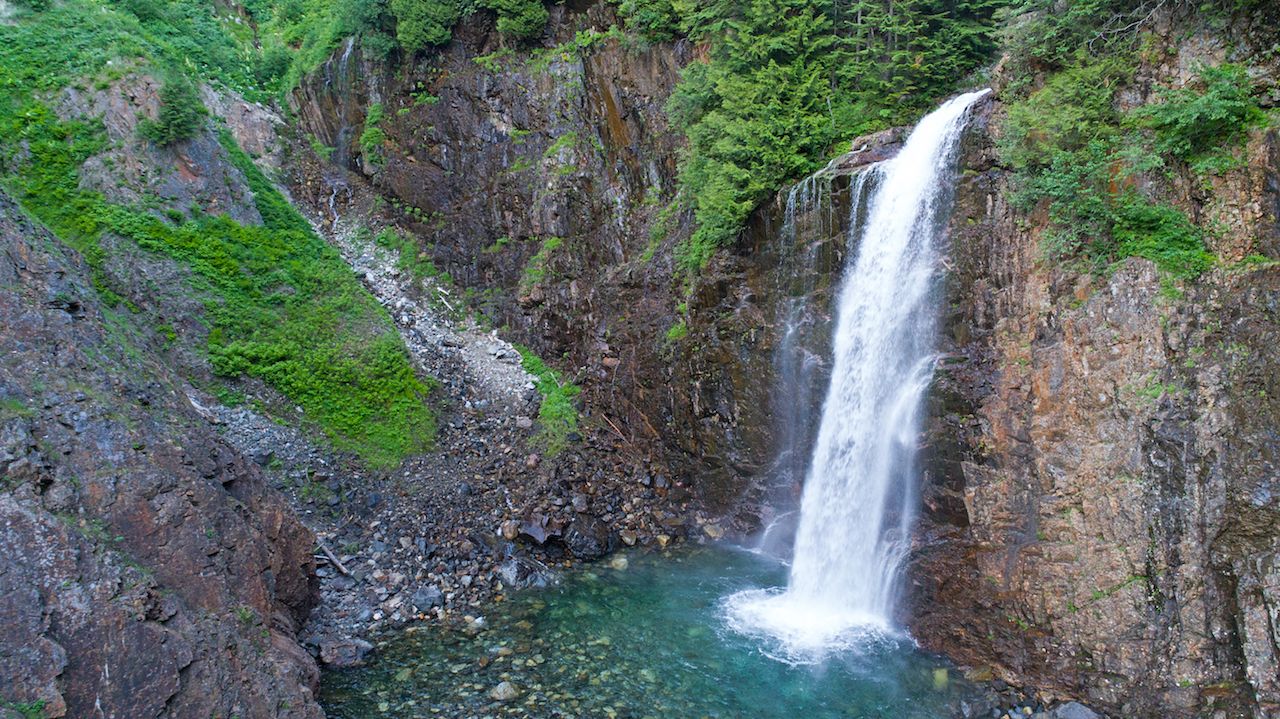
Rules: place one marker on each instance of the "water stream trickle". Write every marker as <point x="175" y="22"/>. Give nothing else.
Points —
<point x="859" y="493"/>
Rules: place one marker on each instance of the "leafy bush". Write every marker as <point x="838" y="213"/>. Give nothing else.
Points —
<point x="1194" y="124"/>
<point x="1070" y="149"/>
<point x="181" y="112"/>
<point x="1074" y="108"/>
<point x="372" y="137"/>
<point x="423" y="23"/>
<point x="521" y="18"/>
<point x="655" y="20"/>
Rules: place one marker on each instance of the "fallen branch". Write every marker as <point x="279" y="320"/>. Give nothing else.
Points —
<point x="330" y="556"/>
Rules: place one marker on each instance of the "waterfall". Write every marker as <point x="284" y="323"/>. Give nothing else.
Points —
<point x="860" y="489"/>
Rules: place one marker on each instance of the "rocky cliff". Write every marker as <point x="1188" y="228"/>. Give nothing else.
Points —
<point x="1102" y="519"/>
<point x="131" y="531"/>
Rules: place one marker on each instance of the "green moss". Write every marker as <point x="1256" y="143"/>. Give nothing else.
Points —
<point x="678" y="331"/>
<point x="558" y="414"/>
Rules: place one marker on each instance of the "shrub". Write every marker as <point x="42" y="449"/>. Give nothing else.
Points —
<point x="1070" y="149"/>
<point x="372" y="137"/>
<point x="181" y="112"/>
<point x="1195" y="123"/>
<point x="423" y="23"/>
<point x="655" y="20"/>
<point x="557" y="415"/>
<point x="521" y="18"/>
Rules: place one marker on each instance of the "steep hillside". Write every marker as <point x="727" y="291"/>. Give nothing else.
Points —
<point x="148" y="569"/>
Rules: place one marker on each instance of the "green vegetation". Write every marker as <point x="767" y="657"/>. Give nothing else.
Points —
<point x="26" y="710"/>
<point x="536" y="270"/>
<point x="558" y="416"/>
<point x="181" y="112"/>
<point x="280" y="304"/>
<point x="1200" y="125"/>
<point x="1072" y="150"/>
<point x="372" y="137"/>
<point x="678" y="331"/>
<point x="423" y="23"/>
<point x="13" y="407"/>
<point x="409" y="258"/>
<point x="787" y="81"/>
<point x="520" y="18"/>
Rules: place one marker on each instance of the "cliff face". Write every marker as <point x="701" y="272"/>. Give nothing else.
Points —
<point x="543" y="182"/>
<point x="1101" y="518"/>
<point x="148" y="571"/>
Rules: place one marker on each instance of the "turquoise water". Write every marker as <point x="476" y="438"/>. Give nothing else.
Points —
<point x="645" y="641"/>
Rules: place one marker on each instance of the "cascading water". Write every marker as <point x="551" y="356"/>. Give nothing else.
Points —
<point x="859" y="494"/>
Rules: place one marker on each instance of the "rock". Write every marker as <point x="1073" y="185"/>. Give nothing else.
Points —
<point x="663" y="540"/>
<point x="504" y="692"/>
<point x="509" y="530"/>
<point x="344" y="652"/>
<point x="427" y="597"/>
<point x="531" y="462"/>
<point x="464" y="489"/>
<point x="628" y="537"/>
<point x="524" y="422"/>
<point x="588" y="537"/>
<point x="979" y="674"/>
<point x="580" y="503"/>
<point x="539" y="528"/>
<point x="1073" y="710"/>
<point x="618" y="563"/>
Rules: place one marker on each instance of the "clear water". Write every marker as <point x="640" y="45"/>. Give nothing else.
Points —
<point x="646" y="641"/>
<point x="859" y="495"/>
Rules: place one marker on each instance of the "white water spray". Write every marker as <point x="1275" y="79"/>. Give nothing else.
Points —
<point x="859" y="494"/>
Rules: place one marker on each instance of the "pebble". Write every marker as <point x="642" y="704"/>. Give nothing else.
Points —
<point x="504" y="692"/>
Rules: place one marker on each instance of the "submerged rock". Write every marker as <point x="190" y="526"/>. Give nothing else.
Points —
<point x="1073" y="710"/>
<point x="504" y="692"/>
<point x="344" y="652"/>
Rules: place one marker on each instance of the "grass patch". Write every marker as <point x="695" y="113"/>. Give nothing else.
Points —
<point x="409" y="259"/>
<point x="557" y="415"/>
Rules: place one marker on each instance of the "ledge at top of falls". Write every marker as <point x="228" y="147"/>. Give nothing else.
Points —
<point x="866" y="150"/>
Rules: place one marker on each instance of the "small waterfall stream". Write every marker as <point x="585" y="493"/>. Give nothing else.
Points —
<point x="859" y="493"/>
